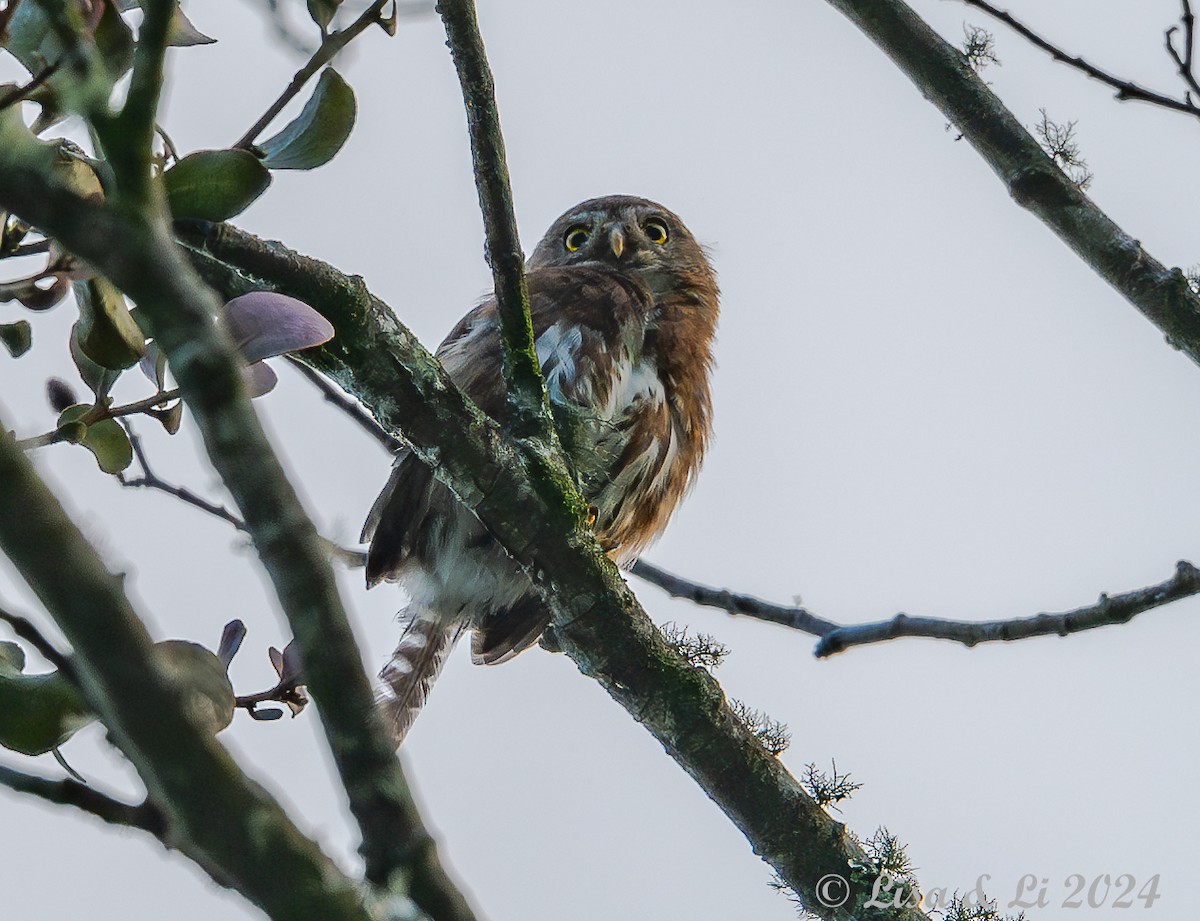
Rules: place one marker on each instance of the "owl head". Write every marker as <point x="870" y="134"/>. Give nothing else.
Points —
<point x="632" y="235"/>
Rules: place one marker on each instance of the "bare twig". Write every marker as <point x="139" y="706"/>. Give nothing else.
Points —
<point x="1184" y="61"/>
<point x="351" y="408"/>
<point x="19" y="93"/>
<point x="1126" y="90"/>
<point x="835" y="637"/>
<point x="797" y="618"/>
<point x="68" y="792"/>
<point x="354" y="559"/>
<point x="1109" y="610"/>
<point x="34" y="637"/>
<point x="1034" y="181"/>
<point x="331" y="44"/>
<point x="150" y="480"/>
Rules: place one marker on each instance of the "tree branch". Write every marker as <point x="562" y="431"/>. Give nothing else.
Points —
<point x="835" y="637"/>
<point x="232" y="828"/>
<point x="1126" y="90"/>
<point x="25" y="630"/>
<point x="363" y="419"/>
<point x="529" y="409"/>
<point x="134" y="250"/>
<point x="1184" y="61"/>
<point x="330" y="46"/>
<point x="598" y="622"/>
<point x="68" y="792"/>
<point x="942" y="75"/>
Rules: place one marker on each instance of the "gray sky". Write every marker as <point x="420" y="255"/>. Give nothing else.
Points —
<point x="925" y="402"/>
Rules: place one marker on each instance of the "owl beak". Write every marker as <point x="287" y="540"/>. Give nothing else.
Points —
<point x="616" y="239"/>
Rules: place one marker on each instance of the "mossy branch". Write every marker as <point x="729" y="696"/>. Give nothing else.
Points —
<point x="598" y="621"/>
<point x="129" y="242"/>
<point x="942" y="74"/>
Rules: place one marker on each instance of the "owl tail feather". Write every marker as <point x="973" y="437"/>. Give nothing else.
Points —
<point x="407" y="678"/>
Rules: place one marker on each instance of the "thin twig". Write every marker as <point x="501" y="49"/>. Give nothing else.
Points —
<point x="68" y="792"/>
<point x="150" y="480"/>
<point x="20" y="93"/>
<point x="330" y="46"/>
<point x="1184" y="61"/>
<point x="835" y="637"/>
<point x="1031" y="178"/>
<point x="350" y="407"/>
<point x="1126" y="90"/>
<point x="352" y="559"/>
<point x="34" y="637"/>
<point x="98" y="413"/>
<point x="797" y="618"/>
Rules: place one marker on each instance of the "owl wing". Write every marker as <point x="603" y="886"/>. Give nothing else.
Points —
<point x="585" y="323"/>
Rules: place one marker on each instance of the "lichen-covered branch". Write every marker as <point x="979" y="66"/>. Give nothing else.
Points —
<point x="529" y="411"/>
<point x="132" y="246"/>
<point x="229" y="826"/>
<point x="943" y="76"/>
<point x="835" y="637"/>
<point x="598" y="622"/>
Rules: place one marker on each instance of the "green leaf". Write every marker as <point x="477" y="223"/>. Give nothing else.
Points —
<point x="105" y="439"/>
<point x="322" y="12"/>
<point x="17" y="337"/>
<point x="319" y="131"/>
<point x="38" y="713"/>
<point x="215" y="185"/>
<point x="208" y="695"/>
<point x="99" y="379"/>
<point x="107" y="333"/>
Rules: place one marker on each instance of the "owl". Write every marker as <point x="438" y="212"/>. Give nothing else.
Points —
<point x="624" y="308"/>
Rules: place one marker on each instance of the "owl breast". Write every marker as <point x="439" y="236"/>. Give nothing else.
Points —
<point x="625" y="442"/>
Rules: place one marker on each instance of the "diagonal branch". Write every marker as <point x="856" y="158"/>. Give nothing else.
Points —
<point x="598" y="622"/>
<point x="942" y="75"/>
<point x="1126" y="90"/>
<point x="232" y="828"/>
<point x="132" y="247"/>
<point x="835" y="637"/>
<point x="68" y="792"/>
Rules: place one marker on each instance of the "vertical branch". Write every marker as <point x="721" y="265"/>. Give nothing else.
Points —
<point x="529" y="414"/>
<point x="944" y="78"/>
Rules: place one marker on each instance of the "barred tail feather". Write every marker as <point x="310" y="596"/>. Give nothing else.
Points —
<point x="407" y="678"/>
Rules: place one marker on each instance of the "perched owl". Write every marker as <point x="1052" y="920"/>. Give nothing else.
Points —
<point x="624" y="308"/>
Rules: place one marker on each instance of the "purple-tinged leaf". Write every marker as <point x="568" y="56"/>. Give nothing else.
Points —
<point x="231" y="641"/>
<point x="264" y="324"/>
<point x="260" y="379"/>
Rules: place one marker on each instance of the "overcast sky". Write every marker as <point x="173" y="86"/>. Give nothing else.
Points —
<point x="924" y="402"/>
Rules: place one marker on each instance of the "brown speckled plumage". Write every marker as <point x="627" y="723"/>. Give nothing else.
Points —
<point x="624" y="327"/>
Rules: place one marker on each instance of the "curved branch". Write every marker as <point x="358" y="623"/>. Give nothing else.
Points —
<point x="598" y="621"/>
<point x="942" y="75"/>
<point x="835" y="637"/>
<point x="68" y="792"/>
<point x="132" y="247"/>
<point x="1126" y="90"/>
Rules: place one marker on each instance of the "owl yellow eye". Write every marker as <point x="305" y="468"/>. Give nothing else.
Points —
<point x="575" y="238"/>
<point x="655" y="232"/>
